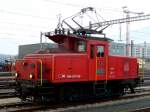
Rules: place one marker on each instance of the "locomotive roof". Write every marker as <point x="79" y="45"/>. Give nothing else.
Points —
<point x="59" y="38"/>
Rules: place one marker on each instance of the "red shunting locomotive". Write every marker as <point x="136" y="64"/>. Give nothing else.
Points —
<point x="79" y="64"/>
<point x="79" y="68"/>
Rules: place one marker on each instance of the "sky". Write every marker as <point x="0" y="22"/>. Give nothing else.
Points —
<point x="21" y="21"/>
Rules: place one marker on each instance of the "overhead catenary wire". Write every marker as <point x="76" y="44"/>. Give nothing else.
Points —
<point x="20" y="24"/>
<point x="27" y="14"/>
<point x="142" y="33"/>
<point x="21" y="29"/>
<point x="112" y="9"/>
<point x="14" y="28"/>
<point x="63" y="3"/>
<point x="12" y="34"/>
<point x="22" y="14"/>
<point x="33" y="16"/>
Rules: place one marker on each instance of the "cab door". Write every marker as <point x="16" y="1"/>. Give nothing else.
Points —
<point x="101" y="58"/>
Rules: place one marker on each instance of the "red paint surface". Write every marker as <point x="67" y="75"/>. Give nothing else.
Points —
<point x="75" y="66"/>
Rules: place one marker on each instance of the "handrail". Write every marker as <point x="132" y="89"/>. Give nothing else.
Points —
<point x="53" y="65"/>
<point x="96" y="70"/>
<point x="106" y="69"/>
<point x="41" y="72"/>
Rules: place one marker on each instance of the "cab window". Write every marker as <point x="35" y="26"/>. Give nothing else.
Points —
<point x="100" y="51"/>
<point x="81" y="47"/>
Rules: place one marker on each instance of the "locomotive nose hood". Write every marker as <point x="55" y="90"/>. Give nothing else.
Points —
<point x="27" y="69"/>
<point x="34" y="67"/>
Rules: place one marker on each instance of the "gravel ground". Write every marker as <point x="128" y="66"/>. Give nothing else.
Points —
<point x="9" y="100"/>
<point x="7" y="91"/>
<point x="111" y="106"/>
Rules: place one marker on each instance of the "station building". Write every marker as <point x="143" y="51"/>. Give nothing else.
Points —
<point x="141" y="50"/>
<point x="32" y="48"/>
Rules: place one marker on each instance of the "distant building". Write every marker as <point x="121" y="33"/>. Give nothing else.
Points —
<point x="4" y="58"/>
<point x="117" y="49"/>
<point x="138" y="50"/>
<point x="31" y="48"/>
<point x="141" y="50"/>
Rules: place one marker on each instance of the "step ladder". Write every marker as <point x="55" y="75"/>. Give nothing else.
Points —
<point x="99" y="87"/>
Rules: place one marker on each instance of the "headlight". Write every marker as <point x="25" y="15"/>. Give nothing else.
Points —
<point x="16" y="74"/>
<point x="31" y="76"/>
<point x="25" y="63"/>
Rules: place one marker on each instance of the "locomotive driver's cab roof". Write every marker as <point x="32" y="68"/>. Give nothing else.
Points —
<point x="60" y="38"/>
<point x="74" y="42"/>
<point x="69" y="43"/>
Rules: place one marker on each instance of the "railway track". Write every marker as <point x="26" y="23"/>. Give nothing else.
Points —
<point x="7" y="93"/>
<point x="146" y="109"/>
<point x="7" y="80"/>
<point x="7" y="85"/>
<point x="28" y="106"/>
